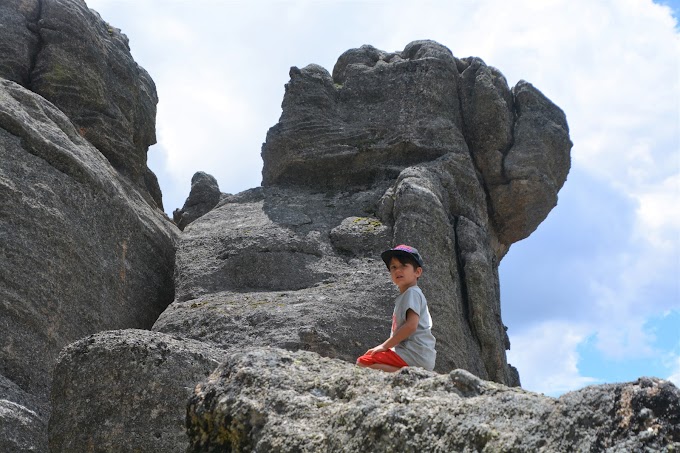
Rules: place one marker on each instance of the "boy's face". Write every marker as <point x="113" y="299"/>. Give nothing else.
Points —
<point x="404" y="275"/>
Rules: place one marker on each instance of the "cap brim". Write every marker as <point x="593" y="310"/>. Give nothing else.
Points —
<point x="387" y="255"/>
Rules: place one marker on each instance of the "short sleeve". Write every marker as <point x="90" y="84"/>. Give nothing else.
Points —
<point x="409" y="299"/>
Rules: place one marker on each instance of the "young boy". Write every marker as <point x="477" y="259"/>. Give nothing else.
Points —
<point x="411" y="342"/>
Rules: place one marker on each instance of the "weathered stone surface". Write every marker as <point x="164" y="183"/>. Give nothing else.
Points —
<point x="126" y="390"/>
<point x="19" y="41"/>
<point x="291" y="268"/>
<point x="317" y="404"/>
<point x="80" y="248"/>
<point x="360" y="236"/>
<point x="536" y="165"/>
<point x="205" y="194"/>
<point x="520" y="143"/>
<point x="488" y="114"/>
<point x="65" y="52"/>
<point x="23" y="420"/>
<point x="382" y="112"/>
<point x="379" y="113"/>
<point x="260" y="269"/>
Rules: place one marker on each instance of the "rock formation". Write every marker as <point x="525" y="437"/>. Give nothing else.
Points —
<point x="65" y="52"/>
<point x="317" y="404"/>
<point x="137" y="405"/>
<point x="84" y="246"/>
<point x="413" y="147"/>
<point x="205" y="194"/>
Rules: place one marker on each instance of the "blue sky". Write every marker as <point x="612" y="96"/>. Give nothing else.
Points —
<point x="593" y="295"/>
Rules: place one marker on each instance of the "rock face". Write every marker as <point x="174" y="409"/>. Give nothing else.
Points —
<point x="83" y="244"/>
<point x="65" y="52"/>
<point x="317" y="404"/>
<point x="82" y="251"/>
<point x="205" y="194"/>
<point x="23" y="419"/>
<point x="414" y="147"/>
<point x="126" y="391"/>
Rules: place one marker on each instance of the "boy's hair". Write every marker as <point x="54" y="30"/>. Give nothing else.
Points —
<point x="405" y="254"/>
<point x="405" y="259"/>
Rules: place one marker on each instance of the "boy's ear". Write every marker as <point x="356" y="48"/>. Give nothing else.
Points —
<point x="419" y="271"/>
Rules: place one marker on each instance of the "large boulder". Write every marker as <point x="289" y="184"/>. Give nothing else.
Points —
<point x="317" y="404"/>
<point x="126" y="390"/>
<point x="81" y="250"/>
<point x="65" y="52"/>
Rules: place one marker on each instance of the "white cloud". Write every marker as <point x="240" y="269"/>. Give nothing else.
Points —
<point x="658" y="222"/>
<point x="675" y="376"/>
<point x="546" y="357"/>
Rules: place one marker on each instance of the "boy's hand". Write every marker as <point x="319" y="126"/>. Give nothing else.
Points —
<point x="379" y="348"/>
<point x="405" y="331"/>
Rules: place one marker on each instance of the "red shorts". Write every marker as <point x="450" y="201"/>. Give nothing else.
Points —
<point x="388" y="357"/>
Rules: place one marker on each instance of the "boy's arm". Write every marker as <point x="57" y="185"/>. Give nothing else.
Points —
<point x="402" y="333"/>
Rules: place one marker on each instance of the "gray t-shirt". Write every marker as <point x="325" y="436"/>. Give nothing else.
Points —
<point x="418" y="349"/>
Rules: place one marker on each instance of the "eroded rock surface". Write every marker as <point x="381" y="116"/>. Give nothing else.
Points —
<point x="65" y="52"/>
<point x="318" y="404"/>
<point x="23" y="419"/>
<point x="82" y="251"/>
<point x="126" y="390"/>
<point x="205" y="194"/>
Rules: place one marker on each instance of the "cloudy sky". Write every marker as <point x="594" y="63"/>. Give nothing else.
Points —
<point x="593" y="295"/>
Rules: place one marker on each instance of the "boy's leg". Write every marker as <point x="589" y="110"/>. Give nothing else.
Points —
<point x="385" y="361"/>
<point x="385" y="367"/>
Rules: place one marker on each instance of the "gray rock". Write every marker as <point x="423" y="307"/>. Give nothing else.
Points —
<point x="291" y="268"/>
<point x="318" y="404"/>
<point x="23" y="420"/>
<point x="536" y="165"/>
<point x="361" y="236"/>
<point x="81" y="250"/>
<point x="439" y="208"/>
<point x="412" y="147"/>
<point x="205" y="194"/>
<point x="260" y="269"/>
<point x="65" y="52"/>
<point x="382" y="112"/>
<point x="126" y="391"/>
<point x="378" y="114"/>
<point x="19" y="41"/>
<point x="488" y="114"/>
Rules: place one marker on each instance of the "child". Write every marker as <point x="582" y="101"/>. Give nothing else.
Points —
<point x="411" y="342"/>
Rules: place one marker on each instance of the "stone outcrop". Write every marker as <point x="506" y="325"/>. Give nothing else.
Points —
<point x="317" y="404"/>
<point x="82" y="250"/>
<point x="414" y="147"/>
<point x="84" y="246"/>
<point x="65" y="52"/>
<point x="126" y="391"/>
<point x="205" y="194"/>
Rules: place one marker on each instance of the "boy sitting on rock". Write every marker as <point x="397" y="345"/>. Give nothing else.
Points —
<point x="411" y="342"/>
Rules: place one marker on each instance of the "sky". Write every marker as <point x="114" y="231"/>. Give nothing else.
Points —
<point x="593" y="296"/>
